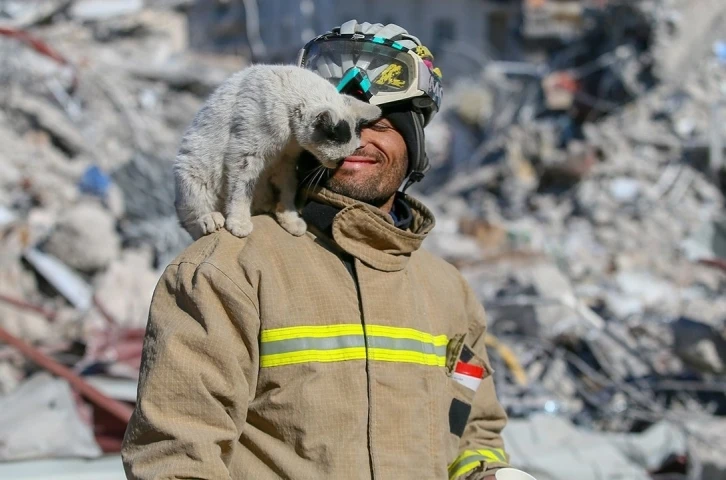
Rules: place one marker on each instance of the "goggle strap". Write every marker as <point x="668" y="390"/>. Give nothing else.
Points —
<point x="355" y="82"/>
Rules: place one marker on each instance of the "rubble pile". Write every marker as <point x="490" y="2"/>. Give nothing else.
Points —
<point x="590" y="220"/>
<point x="580" y="189"/>
<point x="94" y="96"/>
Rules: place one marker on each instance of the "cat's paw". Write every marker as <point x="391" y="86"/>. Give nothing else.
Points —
<point x="210" y="223"/>
<point x="293" y="224"/>
<point x="238" y="228"/>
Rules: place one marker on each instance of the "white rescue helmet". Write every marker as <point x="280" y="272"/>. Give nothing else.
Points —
<point x="388" y="67"/>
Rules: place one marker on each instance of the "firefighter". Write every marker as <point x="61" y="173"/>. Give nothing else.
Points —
<point x="347" y="353"/>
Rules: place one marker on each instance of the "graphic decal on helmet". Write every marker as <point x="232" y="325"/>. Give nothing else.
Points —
<point x="390" y="76"/>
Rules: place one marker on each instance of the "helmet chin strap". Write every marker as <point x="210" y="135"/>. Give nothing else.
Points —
<point x="409" y="124"/>
<point x="422" y="162"/>
<point x="413" y="177"/>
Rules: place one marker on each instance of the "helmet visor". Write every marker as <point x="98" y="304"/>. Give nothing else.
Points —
<point x="391" y="69"/>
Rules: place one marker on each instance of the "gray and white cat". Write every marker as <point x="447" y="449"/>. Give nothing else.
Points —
<point x="241" y="147"/>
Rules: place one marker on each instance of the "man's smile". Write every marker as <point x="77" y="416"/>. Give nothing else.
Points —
<point x="357" y="162"/>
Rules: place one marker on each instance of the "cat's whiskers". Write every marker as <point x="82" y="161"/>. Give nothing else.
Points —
<point x="308" y="175"/>
<point x="319" y="177"/>
<point x="312" y="175"/>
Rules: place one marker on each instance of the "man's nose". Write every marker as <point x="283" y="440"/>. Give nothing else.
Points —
<point x="365" y="137"/>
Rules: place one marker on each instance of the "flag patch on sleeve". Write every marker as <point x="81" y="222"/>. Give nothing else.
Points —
<point x="468" y="375"/>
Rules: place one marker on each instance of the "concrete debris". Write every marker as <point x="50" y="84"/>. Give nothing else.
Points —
<point x="699" y="345"/>
<point x="104" y="9"/>
<point x="707" y="432"/>
<point x="94" y="97"/>
<point x="117" y="388"/>
<point x="23" y="14"/>
<point x="132" y="275"/>
<point x="551" y="448"/>
<point x="708" y="241"/>
<point x="108" y="467"/>
<point x="578" y="183"/>
<point x="593" y="187"/>
<point x="67" y="282"/>
<point x="50" y="119"/>
<point x="84" y="238"/>
<point x="10" y="378"/>
<point x="624" y="190"/>
<point x="39" y="419"/>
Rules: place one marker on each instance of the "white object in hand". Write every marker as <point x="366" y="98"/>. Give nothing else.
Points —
<point x="512" y="474"/>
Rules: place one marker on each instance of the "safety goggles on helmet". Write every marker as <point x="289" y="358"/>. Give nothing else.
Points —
<point x="378" y="69"/>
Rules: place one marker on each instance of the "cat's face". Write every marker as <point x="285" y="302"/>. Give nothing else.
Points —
<point x="332" y="133"/>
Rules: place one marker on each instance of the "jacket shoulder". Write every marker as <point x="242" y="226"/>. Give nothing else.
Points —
<point x="442" y="276"/>
<point x="444" y="270"/>
<point x="228" y="253"/>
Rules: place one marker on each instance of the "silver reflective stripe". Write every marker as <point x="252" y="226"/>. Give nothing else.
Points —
<point x="311" y="343"/>
<point x="499" y="454"/>
<point x="348" y="341"/>
<point x="406" y="344"/>
<point x="469" y="460"/>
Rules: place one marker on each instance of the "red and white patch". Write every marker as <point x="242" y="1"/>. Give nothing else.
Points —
<point x="468" y="375"/>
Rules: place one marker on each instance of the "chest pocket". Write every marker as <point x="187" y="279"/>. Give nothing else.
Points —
<point x="464" y="370"/>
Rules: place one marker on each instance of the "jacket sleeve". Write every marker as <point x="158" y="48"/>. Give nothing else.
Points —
<point x="481" y="450"/>
<point x="199" y="359"/>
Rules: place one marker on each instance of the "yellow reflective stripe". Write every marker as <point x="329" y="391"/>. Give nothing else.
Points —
<point x="465" y="463"/>
<point x="319" y="331"/>
<point x="337" y="343"/>
<point x="470" y="459"/>
<point x="356" y="353"/>
<point x="406" y="356"/>
<point x="464" y="470"/>
<point x="408" y="333"/>
<point x="494" y="455"/>
<point x="304" y="356"/>
<point x="460" y="459"/>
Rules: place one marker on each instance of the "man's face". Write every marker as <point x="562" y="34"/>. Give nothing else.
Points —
<point x="376" y="170"/>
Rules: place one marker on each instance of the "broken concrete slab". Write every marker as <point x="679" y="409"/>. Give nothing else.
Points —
<point x="104" y="9"/>
<point x="551" y="448"/>
<point x="130" y="274"/>
<point x="700" y="345"/>
<point x="68" y="283"/>
<point x="51" y="119"/>
<point x="85" y="238"/>
<point x="39" y="419"/>
<point x="108" y="467"/>
<point x="707" y="447"/>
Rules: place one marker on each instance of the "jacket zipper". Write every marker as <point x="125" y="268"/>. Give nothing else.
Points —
<point x="354" y="275"/>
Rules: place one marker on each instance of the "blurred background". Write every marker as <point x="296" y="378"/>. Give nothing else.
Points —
<point x="578" y="181"/>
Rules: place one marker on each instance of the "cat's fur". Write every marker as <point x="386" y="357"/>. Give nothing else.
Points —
<point x="245" y="141"/>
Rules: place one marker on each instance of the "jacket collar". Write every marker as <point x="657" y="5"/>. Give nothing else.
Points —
<point x="401" y="212"/>
<point x="366" y="232"/>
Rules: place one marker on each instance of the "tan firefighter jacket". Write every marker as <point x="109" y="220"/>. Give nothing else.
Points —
<point x="311" y="358"/>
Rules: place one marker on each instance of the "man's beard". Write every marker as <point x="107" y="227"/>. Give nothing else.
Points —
<point x="375" y="191"/>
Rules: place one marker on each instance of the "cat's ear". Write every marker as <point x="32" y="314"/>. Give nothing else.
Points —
<point x="324" y="120"/>
<point x="327" y="124"/>
<point x="364" y="111"/>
